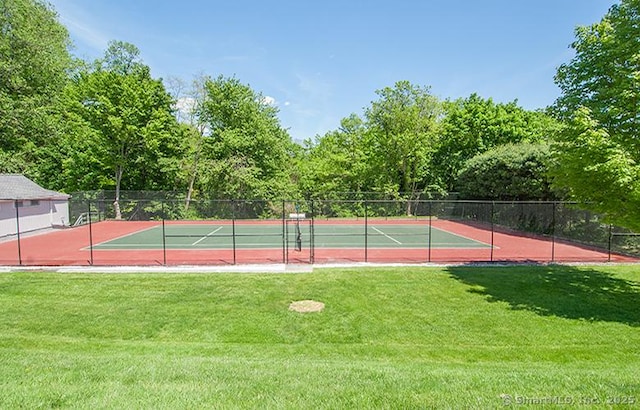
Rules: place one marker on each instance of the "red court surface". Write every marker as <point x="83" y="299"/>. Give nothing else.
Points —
<point x="73" y="247"/>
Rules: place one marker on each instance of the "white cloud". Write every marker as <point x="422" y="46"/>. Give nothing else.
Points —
<point x="185" y="107"/>
<point x="186" y="104"/>
<point x="186" y="113"/>
<point x="269" y="100"/>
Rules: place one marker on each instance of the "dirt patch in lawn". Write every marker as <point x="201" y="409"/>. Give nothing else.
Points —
<point x="306" y="306"/>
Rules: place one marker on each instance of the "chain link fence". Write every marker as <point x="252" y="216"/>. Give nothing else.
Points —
<point x="287" y="231"/>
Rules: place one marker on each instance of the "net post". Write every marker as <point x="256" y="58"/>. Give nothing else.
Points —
<point x="298" y="232"/>
<point x="15" y="204"/>
<point x="298" y="217"/>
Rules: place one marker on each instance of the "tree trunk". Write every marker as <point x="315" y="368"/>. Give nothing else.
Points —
<point x="194" y="173"/>
<point x="116" y="202"/>
<point x="189" y="192"/>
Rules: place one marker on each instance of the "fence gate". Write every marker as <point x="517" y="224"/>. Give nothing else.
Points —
<point x="298" y="238"/>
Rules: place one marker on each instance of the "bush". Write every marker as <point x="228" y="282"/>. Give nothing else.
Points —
<point x="509" y="172"/>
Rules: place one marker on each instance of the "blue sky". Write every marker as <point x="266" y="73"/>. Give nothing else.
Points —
<point x="320" y="61"/>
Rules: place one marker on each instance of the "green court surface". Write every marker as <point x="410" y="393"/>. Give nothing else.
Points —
<point x="263" y="236"/>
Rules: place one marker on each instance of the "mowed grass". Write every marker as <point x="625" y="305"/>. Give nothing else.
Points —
<point x="409" y="337"/>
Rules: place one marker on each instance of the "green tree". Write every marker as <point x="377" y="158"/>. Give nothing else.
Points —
<point x="475" y="125"/>
<point x="508" y="172"/>
<point x="336" y="162"/>
<point x="597" y="170"/>
<point x="189" y="107"/>
<point x="33" y="64"/>
<point x="247" y="154"/>
<point x="127" y="120"/>
<point x="598" y="155"/>
<point x="402" y="137"/>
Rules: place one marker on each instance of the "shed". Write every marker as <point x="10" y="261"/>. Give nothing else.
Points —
<point x="30" y="207"/>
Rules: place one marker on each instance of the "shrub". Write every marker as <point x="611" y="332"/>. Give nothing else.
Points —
<point x="508" y="172"/>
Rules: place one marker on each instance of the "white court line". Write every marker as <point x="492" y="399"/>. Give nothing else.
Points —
<point x="205" y="237"/>
<point x="101" y="244"/>
<point x="382" y="233"/>
<point x="464" y="237"/>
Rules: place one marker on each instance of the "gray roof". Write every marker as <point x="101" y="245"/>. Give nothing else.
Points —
<point x="16" y="186"/>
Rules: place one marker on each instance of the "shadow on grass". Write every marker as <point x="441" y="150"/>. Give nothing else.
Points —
<point x="563" y="291"/>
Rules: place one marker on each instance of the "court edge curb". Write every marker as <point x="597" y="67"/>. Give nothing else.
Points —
<point x="279" y="268"/>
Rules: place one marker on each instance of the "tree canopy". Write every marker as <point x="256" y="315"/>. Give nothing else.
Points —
<point x="598" y="155"/>
<point x="33" y="70"/>
<point x="389" y="150"/>
<point x="123" y="124"/>
<point x="475" y="125"/>
<point x="410" y="142"/>
<point x="247" y="152"/>
<point x="402" y="137"/>
<point x="336" y="162"/>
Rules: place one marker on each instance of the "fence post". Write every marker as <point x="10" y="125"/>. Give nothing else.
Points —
<point x="610" y="241"/>
<point x="285" y="237"/>
<point x="366" y="232"/>
<point x="492" y="227"/>
<point x="553" y="231"/>
<point x="233" y="228"/>
<point x="430" y="223"/>
<point x="164" y="237"/>
<point x="312" y="241"/>
<point x="15" y="203"/>
<point x="90" y="235"/>
<point x="164" y="243"/>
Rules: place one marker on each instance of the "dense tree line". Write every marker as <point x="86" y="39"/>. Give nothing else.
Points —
<point x="410" y="143"/>
<point x="108" y="124"/>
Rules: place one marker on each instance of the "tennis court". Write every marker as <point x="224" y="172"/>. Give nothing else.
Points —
<point x="228" y="242"/>
<point x="295" y="234"/>
<point x="288" y="241"/>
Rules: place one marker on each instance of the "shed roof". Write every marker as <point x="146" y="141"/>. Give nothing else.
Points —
<point x="18" y="187"/>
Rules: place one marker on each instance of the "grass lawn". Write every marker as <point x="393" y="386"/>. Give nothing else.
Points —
<point x="411" y="337"/>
